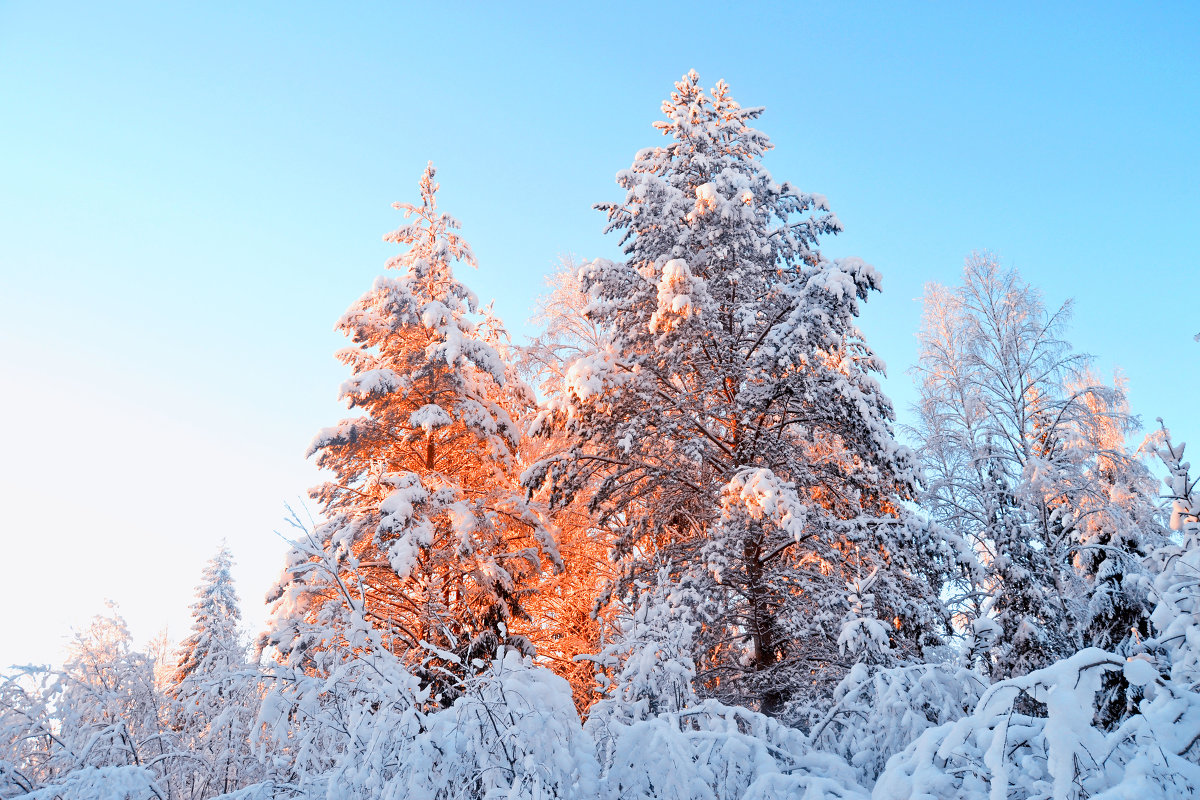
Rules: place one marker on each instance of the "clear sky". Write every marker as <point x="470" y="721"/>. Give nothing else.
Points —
<point x="191" y="193"/>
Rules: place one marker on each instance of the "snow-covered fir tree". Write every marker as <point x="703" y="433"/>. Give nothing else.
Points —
<point x="731" y="423"/>
<point x="424" y="513"/>
<point x="215" y="690"/>
<point x="214" y="643"/>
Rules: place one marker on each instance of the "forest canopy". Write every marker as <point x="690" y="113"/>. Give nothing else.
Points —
<point x="675" y="546"/>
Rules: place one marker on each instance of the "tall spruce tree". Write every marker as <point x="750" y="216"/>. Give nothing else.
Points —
<point x="731" y="424"/>
<point x="424" y="515"/>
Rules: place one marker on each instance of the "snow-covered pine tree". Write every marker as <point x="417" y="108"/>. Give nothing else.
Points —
<point x="424" y="514"/>
<point x="731" y="424"/>
<point x="1025" y="459"/>
<point x="215" y="690"/>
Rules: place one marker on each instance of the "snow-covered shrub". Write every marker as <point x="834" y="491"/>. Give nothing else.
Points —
<point x="345" y="716"/>
<point x="369" y="730"/>
<point x="103" y="783"/>
<point x="337" y="702"/>
<point x="71" y="732"/>
<point x="876" y="713"/>
<point x="712" y="751"/>
<point x="1036" y="737"/>
<point x="655" y="739"/>
<point x="512" y="733"/>
<point x="28" y="744"/>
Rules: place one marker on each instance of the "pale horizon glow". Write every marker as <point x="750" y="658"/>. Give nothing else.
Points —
<point x="190" y="196"/>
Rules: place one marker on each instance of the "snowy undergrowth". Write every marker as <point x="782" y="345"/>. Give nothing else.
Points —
<point x="877" y="713"/>
<point x="513" y="732"/>
<point x="103" y="783"/>
<point x="712" y="751"/>
<point x="1036" y="737"/>
<point x="370" y="732"/>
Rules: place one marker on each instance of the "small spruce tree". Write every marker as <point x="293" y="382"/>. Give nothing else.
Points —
<point x="215" y="690"/>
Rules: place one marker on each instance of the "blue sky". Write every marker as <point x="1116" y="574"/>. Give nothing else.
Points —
<point x="191" y="193"/>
